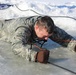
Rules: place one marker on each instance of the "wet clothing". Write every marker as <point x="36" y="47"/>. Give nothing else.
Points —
<point x="20" y="33"/>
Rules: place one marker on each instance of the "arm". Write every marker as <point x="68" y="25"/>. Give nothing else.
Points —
<point x="61" y="37"/>
<point x="20" y="46"/>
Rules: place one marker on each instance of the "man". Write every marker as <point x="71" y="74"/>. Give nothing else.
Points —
<point x="24" y="32"/>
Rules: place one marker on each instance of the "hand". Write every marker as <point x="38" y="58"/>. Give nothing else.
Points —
<point x="42" y="56"/>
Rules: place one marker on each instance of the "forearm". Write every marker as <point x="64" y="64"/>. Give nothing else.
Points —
<point x="24" y="51"/>
<point x="61" y="37"/>
<point x="20" y="46"/>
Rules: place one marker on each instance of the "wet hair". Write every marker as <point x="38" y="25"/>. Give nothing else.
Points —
<point x="47" y="22"/>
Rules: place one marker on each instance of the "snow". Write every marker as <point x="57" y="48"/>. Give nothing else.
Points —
<point x="43" y="8"/>
<point x="10" y="64"/>
<point x="67" y="24"/>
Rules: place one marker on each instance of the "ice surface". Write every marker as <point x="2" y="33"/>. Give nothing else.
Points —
<point x="11" y="64"/>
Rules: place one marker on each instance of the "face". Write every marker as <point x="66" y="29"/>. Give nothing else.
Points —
<point x="42" y="33"/>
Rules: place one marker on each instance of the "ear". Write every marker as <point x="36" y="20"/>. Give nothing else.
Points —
<point x="36" y="26"/>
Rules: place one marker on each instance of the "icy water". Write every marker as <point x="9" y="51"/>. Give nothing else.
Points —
<point x="11" y="64"/>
